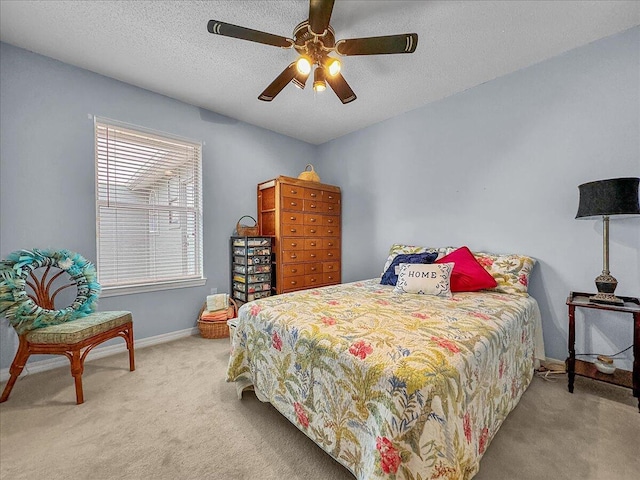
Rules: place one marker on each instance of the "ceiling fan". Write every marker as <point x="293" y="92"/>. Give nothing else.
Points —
<point x="314" y="40"/>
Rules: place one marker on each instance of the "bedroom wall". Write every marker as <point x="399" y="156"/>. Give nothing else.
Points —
<point x="497" y="168"/>
<point x="47" y="174"/>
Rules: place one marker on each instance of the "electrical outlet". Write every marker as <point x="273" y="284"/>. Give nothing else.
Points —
<point x="214" y="291"/>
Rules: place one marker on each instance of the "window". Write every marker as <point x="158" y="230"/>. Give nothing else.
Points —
<point x="148" y="209"/>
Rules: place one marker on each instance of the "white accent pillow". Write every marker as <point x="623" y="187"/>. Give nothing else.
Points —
<point x="425" y="279"/>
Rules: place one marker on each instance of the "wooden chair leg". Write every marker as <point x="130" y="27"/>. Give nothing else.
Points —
<point x="76" y="370"/>
<point x="22" y="355"/>
<point x="129" y="339"/>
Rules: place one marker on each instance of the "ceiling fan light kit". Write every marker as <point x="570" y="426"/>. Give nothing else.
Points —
<point x="319" y="84"/>
<point x="314" y="40"/>
<point x="303" y="64"/>
<point x="332" y="65"/>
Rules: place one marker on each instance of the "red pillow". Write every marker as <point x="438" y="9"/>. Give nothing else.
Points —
<point x="467" y="275"/>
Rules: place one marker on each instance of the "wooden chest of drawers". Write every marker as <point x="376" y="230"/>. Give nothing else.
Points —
<point x="304" y="219"/>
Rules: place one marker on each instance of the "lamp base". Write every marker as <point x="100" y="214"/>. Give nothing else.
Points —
<point x="606" y="286"/>
<point x="607" y="298"/>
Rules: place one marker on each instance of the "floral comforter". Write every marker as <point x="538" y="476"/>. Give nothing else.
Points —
<point x="393" y="386"/>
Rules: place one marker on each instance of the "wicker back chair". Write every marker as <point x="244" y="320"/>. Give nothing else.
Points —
<point x="73" y="339"/>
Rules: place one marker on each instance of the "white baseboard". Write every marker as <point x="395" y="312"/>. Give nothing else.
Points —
<point x="553" y="360"/>
<point x="553" y="365"/>
<point x="99" y="352"/>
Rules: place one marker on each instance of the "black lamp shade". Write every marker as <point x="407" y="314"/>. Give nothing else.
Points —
<point x="616" y="196"/>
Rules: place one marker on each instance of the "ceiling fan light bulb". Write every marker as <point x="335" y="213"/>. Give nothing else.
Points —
<point x="334" y="66"/>
<point x="318" y="80"/>
<point x="303" y="65"/>
<point x="319" y="86"/>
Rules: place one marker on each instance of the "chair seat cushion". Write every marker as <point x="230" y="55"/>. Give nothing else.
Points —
<point x="78" y="330"/>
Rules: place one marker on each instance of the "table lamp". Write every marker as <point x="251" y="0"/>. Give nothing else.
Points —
<point x="604" y="198"/>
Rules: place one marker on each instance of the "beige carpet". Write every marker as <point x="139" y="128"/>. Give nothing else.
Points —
<point x="176" y="418"/>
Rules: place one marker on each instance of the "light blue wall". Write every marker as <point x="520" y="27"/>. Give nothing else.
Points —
<point x="47" y="173"/>
<point x="497" y="168"/>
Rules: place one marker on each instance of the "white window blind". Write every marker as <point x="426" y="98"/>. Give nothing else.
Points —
<point x="148" y="209"/>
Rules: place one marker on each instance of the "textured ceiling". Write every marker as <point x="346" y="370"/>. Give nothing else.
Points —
<point x="164" y="46"/>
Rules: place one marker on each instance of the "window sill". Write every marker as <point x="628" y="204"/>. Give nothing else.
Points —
<point x="131" y="289"/>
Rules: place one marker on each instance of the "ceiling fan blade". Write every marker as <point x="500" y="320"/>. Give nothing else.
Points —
<point x="320" y="15"/>
<point x="403" y="43"/>
<point x="300" y="79"/>
<point x="243" y="33"/>
<point x="278" y="84"/>
<point x="342" y="89"/>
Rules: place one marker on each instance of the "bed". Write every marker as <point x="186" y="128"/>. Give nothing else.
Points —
<point x="391" y="385"/>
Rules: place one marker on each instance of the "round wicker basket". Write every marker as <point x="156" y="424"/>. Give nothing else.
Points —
<point x="245" y="230"/>
<point x="217" y="328"/>
<point x="309" y="175"/>
<point x="213" y="329"/>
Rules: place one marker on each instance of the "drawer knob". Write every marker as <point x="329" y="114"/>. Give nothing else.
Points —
<point x="294" y="270"/>
<point x="312" y="231"/>
<point x="329" y="254"/>
<point x="330" y="207"/>
<point x="313" y="195"/>
<point x="294" y="256"/>
<point x="294" y="244"/>
<point x="329" y="231"/>
<point x="313" y="280"/>
<point x="313" y="205"/>
<point x="312" y="220"/>
<point x="293" y="192"/>
<point x="330" y="267"/>
<point x="293" y="230"/>
<point x="313" y="255"/>
<point x="313" y="269"/>
<point x="328" y="221"/>
<point x="293" y="218"/>
<point x="294" y="282"/>
<point x="293" y="204"/>
<point x="313" y="244"/>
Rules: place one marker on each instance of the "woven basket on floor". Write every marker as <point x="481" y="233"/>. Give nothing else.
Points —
<point x="217" y="328"/>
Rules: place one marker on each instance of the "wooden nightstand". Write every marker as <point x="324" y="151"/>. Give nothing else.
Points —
<point x="587" y="369"/>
